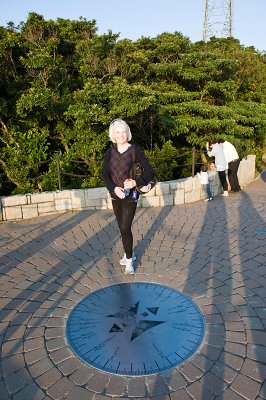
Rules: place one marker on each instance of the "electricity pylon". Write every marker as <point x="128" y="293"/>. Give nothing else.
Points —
<point x="217" y="19"/>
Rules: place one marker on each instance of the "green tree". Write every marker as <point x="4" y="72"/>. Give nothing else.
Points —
<point x="61" y="84"/>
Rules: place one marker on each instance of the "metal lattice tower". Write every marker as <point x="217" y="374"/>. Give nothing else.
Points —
<point x="217" y="19"/>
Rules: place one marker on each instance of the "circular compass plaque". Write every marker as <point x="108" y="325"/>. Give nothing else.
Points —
<point x="135" y="328"/>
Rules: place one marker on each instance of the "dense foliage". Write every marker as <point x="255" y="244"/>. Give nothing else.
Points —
<point x="61" y="84"/>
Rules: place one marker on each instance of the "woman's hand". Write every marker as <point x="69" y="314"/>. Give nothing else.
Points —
<point x="119" y="192"/>
<point x="129" y="184"/>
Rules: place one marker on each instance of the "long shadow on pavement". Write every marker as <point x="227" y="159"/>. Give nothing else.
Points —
<point x="208" y="281"/>
<point x="42" y="271"/>
<point x="252" y="234"/>
<point x="46" y="271"/>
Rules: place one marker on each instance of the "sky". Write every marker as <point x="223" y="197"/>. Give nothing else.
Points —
<point x="149" y="18"/>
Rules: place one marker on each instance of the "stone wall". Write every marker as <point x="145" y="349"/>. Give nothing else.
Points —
<point x="175" y="192"/>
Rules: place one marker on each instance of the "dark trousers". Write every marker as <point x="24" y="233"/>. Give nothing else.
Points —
<point x="124" y="212"/>
<point x="232" y="175"/>
<point x="222" y="176"/>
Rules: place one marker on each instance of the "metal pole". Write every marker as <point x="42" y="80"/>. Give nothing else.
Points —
<point x="193" y="161"/>
<point x="58" y="172"/>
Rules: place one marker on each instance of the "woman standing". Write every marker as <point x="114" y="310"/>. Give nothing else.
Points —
<point x="116" y="174"/>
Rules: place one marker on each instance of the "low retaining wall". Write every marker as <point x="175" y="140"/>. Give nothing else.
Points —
<point x="175" y="192"/>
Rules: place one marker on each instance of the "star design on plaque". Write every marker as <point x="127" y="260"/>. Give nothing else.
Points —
<point x="135" y="328"/>
<point x="140" y="326"/>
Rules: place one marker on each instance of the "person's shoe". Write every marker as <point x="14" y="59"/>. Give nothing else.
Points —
<point x="123" y="259"/>
<point x="206" y="199"/>
<point x="129" y="270"/>
<point x="210" y="199"/>
<point x="225" y="193"/>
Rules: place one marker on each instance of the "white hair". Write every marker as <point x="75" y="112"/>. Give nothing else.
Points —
<point x="123" y="123"/>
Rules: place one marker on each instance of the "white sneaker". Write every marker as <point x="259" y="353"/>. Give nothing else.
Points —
<point x="225" y="193"/>
<point x="129" y="270"/>
<point x="123" y="259"/>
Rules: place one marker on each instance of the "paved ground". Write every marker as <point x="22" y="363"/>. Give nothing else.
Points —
<point x="214" y="252"/>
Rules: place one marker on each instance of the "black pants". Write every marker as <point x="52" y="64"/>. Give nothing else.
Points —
<point x="124" y="212"/>
<point x="232" y="175"/>
<point x="222" y="176"/>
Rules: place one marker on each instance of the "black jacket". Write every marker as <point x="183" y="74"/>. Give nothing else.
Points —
<point x="140" y="157"/>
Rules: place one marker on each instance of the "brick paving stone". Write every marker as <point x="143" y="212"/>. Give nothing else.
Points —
<point x="20" y="319"/>
<point x="235" y="337"/>
<point x="180" y="395"/>
<point x="254" y="370"/>
<point x="116" y="386"/>
<point x="246" y="311"/>
<point x="197" y="391"/>
<point x="33" y="344"/>
<point x="256" y="352"/>
<point x="3" y="391"/>
<point x="98" y="382"/>
<point x="60" y="312"/>
<point x="136" y="387"/>
<point x="256" y="337"/>
<point x="161" y="397"/>
<point x="12" y="364"/>
<point x="82" y="375"/>
<point x="35" y="355"/>
<point x="40" y="367"/>
<point x="213" y="339"/>
<point x="234" y="326"/>
<point x="202" y="362"/>
<point x="18" y="380"/>
<point x="174" y="380"/>
<point x="263" y="390"/>
<point x="236" y="348"/>
<point x="31" y="392"/>
<point x="15" y="332"/>
<point x="34" y="332"/>
<point x="37" y="321"/>
<point x="55" y="322"/>
<point x="156" y="386"/>
<point x="60" y="355"/>
<point x="48" y="378"/>
<point x="79" y="393"/>
<point x="228" y="374"/>
<point x="59" y="389"/>
<point x="246" y="386"/>
<point x="51" y="333"/>
<point x="232" y="360"/>
<point x="70" y="365"/>
<point x="229" y="394"/>
<point x="7" y="315"/>
<point x="30" y="307"/>
<point x="12" y="347"/>
<point x="213" y="383"/>
<point x="211" y="352"/>
<point x="213" y="319"/>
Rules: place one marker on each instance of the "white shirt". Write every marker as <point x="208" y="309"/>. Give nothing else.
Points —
<point x="220" y="161"/>
<point x="203" y="177"/>
<point x="229" y="151"/>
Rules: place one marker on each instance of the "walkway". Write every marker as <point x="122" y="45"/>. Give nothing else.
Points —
<point x="213" y="251"/>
